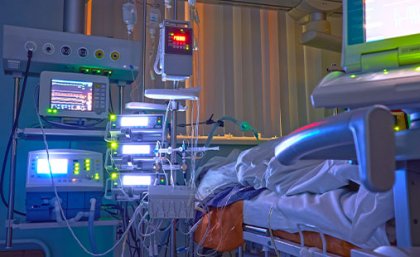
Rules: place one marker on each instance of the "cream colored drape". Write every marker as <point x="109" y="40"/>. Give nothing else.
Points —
<point x="250" y="65"/>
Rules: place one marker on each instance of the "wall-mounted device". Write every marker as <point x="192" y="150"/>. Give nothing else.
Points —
<point x="70" y="52"/>
<point x="176" y="50"/>
<point x="76" y="95"/>
<point x="77" y="175"/>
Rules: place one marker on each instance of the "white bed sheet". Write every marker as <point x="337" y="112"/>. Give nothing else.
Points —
<point x="308" y="192"/>
<point x="359" y="218"/>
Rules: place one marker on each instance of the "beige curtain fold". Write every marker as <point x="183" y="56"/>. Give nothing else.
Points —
<point x="251" y="66"/>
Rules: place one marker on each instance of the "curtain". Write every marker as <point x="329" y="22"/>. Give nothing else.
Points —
<point x="251" y="66"/>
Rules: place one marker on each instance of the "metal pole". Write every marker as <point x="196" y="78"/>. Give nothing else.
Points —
<point x="121" y="97"/>
<point x="174" y="108"/>
<point x="74" y="16"/>
<point x="143" y="75"/>
<point x="9" y="221"/>
<point x="172" y="243"/>
<point x="173" y="156"/>
<point x="175" y="14"/>
<point x="240" y="251"/>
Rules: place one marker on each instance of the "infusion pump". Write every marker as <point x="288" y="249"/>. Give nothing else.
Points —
<point x="72" y="170"/>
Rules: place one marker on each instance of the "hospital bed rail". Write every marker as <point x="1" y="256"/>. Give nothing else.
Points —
<point x="365" y="135"/>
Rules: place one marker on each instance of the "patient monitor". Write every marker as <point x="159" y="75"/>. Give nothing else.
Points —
<point x="65" y="94"/>
<point x="381" y="57"/>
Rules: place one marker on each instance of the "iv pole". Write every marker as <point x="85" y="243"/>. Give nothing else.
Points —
<point x="173" y="145"/>
<point x="12" y="177"/>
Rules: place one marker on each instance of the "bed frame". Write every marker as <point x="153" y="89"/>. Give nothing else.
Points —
<point x="260" y="236"/>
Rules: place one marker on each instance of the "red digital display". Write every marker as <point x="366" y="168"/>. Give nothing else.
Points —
<point x="179" y="38"/>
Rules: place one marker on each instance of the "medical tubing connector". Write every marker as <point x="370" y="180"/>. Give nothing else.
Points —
<point x="91" y="219"/>
<point x="244" y="126"/>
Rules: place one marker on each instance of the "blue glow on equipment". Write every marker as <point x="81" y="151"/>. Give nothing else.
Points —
<point x="77" y="175"/>
<point x="58" y="166"/>
<point x="136" y="180"/>
<point x="136" y="149"/>
<point x="134" y="121"/>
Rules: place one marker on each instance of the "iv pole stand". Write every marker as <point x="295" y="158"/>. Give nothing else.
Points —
<point x="173" y="145"/>
<point x="12" y="177"/>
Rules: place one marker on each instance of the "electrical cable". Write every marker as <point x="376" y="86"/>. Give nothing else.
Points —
<point x="271" y="232"/>
<point x="125" y="233"/>
<point x="156" y="65"/>
<point x="13" y="131"/>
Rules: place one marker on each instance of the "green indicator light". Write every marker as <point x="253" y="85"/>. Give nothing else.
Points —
<point x="96" y="176"/>
<point x="49" y="110"/>
<point x="114" y="145"/>
<point x="352" y="76"/>
<point x="386" y="71"/>
<point x="87" y="160"/>
<point x="87" y="168"/>
<point x="109" y="73"/>
<point x="54" y="111"/>
<point x="112" y="117"/>
<point x="76" y="172"/>
<point x="114" y="176"/>
<point x="396" y="128"/>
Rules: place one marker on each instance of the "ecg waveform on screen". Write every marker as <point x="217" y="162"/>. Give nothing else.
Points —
<point x="73" y="96"/>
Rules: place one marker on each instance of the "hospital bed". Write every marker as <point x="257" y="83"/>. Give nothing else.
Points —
<point x="308" y="195"/>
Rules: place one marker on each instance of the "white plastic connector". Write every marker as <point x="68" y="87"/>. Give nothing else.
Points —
<point x="92" y="204"/>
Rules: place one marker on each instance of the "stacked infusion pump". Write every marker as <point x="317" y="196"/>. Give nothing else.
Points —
<point x="131" y="154"/>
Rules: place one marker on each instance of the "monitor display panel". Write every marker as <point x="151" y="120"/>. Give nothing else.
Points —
<point x="58" y="166"/>
<point x="389" y="18"/>
<point x="73" y="95"/>
<point x="380" y="34"/>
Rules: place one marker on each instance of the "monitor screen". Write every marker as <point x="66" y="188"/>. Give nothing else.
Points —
<point x="74" y="95"/>
<point x="71" y="95"/>
<point x="390" y="18"/>
<point x="380" y="34"/>
<point x="58" y="166"/>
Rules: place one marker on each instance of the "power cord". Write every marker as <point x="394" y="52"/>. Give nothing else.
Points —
<point x="12" y="134"/>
